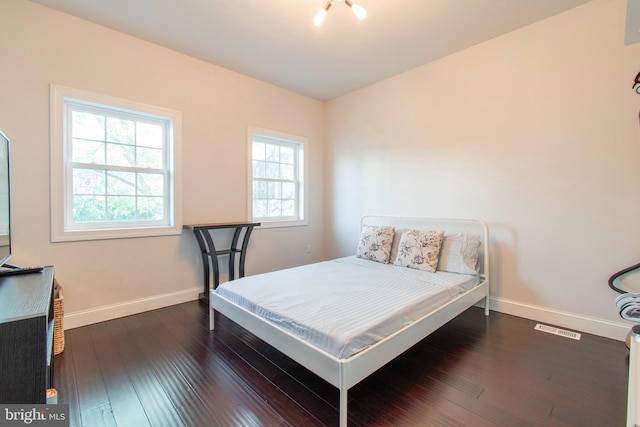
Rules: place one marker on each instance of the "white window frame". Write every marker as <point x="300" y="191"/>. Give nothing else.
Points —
<point x="285" y="138"/>
<point x="62" y="226"/>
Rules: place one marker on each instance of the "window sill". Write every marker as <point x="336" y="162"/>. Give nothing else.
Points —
<point x="80" y="235"/>
<point x="280" y="224"/>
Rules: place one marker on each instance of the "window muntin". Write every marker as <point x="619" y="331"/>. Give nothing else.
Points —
<point x="118" y="171"/>
<point x="276" y="178"/>
<point x="115" y="167"/>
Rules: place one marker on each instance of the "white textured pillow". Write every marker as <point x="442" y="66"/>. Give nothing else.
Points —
<point x="397" y="234"/>
<point x="375" y="243"/>
<point x="459" y="254"/>
<point x="419" y="249"/>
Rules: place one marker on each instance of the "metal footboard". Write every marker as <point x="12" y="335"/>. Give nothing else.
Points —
<point x="633" y="399"/>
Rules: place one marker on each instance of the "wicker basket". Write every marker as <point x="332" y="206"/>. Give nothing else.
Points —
<point x="58" y="315"/>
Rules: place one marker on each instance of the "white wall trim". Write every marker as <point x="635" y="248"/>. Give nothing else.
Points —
<point x="113" y="311"/>
<point x="577" y="322"/>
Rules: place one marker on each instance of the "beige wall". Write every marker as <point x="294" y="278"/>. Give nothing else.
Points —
<point x="40" y="46"/>
<point x="535" y="132"/>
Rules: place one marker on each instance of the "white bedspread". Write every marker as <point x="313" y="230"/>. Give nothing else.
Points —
<point x="344" y="305"/>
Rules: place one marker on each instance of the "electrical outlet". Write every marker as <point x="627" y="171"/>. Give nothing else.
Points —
<point x="309" y="248"/>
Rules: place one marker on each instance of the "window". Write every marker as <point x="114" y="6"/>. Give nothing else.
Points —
<point x="276" y="181"/>
<point x="114" y="167"/>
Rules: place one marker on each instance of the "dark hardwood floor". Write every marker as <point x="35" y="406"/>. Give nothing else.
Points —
<point x="165" y="368"/>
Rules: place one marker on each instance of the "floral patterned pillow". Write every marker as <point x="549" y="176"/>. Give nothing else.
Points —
<point x="419" y="249"/>
<point x="375" y="243"/>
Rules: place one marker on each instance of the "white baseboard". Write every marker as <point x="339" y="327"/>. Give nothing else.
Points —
<point x="577" y="322"/>
<point x="108" y="312"/>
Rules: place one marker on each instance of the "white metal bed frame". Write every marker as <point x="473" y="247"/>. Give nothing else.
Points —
<point x="633" y="390"/>
<point x="345" y="373"/>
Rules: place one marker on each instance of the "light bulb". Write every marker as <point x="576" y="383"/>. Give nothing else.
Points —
<point x="358" y="10"/>
<point x="319" y="18"/>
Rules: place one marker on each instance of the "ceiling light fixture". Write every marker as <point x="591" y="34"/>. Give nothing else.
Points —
<point x="357" y="10"/>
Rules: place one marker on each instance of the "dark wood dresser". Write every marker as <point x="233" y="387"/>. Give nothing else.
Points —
<point x="26" y="337"/>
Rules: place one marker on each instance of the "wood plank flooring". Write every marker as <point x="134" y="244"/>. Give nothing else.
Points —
<point x="165" y="368"/>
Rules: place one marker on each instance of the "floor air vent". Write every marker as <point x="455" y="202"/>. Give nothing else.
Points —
<point x="562" y="332"/>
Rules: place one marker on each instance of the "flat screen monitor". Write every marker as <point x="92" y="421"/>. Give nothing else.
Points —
<point x="5" y="201"/>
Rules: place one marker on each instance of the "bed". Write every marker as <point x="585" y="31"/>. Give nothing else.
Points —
<point x="344" y="319"/>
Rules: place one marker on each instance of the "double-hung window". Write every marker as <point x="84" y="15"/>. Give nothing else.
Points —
<point x="277" y="178"/>
<point x="115" y="167"/>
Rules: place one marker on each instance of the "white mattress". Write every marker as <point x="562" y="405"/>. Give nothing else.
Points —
<point x="345" y="305"/>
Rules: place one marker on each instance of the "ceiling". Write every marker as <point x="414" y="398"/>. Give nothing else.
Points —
<point x="276" y="41"/>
